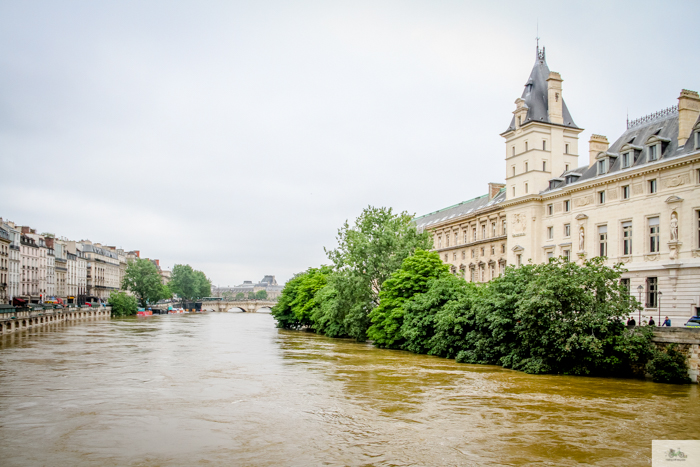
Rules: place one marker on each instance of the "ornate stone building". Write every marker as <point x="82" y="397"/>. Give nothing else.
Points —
<point x="635" y="201"/>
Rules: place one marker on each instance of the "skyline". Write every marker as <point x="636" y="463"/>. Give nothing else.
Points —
<point x="239" y="138"/>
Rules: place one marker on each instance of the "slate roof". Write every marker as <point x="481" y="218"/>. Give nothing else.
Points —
<point x="460" y="209"/>
<point x="536" y="97"/>
<point x="665" y="127"/>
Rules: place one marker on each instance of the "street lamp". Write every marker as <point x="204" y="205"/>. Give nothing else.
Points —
<point x="660" y="294"/>
<point x="640" y="289"/>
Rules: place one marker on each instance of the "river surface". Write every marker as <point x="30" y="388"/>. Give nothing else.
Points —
<point x="231" y="389"/>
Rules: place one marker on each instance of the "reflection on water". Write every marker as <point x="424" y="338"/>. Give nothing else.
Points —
<point x="231" y="389"/>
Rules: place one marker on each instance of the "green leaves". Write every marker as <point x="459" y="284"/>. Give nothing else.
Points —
<point x="189" y="284"/>
<point x="142" y="279"/>
<point x="122" y="304"/>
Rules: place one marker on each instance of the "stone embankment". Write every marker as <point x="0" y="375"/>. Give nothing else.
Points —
<point x="688" y="342"/>
<point x="20" y="320"/>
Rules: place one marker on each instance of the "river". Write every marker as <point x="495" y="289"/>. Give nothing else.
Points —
<point x="231" y="389"/>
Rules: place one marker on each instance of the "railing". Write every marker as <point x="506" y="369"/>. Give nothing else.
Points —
<point x="653" y="116"/>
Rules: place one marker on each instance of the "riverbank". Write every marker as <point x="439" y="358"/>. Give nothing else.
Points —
<point x="13" y="320"/>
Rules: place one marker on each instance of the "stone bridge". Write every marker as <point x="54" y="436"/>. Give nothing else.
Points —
<point x="248" y="306"/>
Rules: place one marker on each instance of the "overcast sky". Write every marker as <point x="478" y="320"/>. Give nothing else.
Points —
<point x="238" y="136"/>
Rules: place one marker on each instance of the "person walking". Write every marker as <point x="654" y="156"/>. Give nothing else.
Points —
<point x="652" y="322"/>
<point x="667" y="322"/>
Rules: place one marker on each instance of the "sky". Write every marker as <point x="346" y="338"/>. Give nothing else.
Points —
<point x="237" y="137"/>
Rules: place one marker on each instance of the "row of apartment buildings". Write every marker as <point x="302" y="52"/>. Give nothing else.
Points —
<point x="36" y="268"/>
<point x="635" y="201"/>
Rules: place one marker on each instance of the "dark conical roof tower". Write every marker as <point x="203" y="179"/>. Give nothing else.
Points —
<point x="535" y="95"/>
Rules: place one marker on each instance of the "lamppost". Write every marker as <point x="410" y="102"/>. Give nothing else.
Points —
<point x="660" y="294"/>
<point x="640" y="289"/>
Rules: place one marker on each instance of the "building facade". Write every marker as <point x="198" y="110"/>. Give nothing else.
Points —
<point x="635" y="201"/>
<point x="4" y="264"/>
<point x="102" y="269"/>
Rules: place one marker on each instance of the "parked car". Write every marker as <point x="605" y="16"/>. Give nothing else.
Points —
<point x="693" y="322"/>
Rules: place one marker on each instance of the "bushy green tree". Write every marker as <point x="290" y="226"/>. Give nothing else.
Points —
<point x="297" y="304"/>
<point x="144" y="281"/>
<point x="669" y="366"/>
<point x="413" y="278"/>
<point x="122" y="304"/>
<point x="188" y="283"/>
<point x="261" y="295"/>
<point x="240" y="296"/>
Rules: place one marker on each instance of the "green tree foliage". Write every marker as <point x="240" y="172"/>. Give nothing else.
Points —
<point x="240" y="296"/>
<point x="189" y="284"/>
<point x="251" y="295"/>
<point x="297" y="304"/>
<point x="669" y="366"/>
<point x="411" y="279"/>
<point x="122" y="304"/>
<point x="261" y="295"/>
<point x="144" y="281"/>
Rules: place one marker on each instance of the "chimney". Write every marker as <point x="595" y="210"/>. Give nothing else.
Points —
<point x="688" y="111"/>
<point x="138" y="253"/>
<point x="596" y="145"/>
<point x="554" y="97"/>
<point x="157" y="262"/>
<point x="494" y="188"/>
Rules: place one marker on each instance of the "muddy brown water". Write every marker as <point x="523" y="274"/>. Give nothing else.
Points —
<point x="231" y="389"/>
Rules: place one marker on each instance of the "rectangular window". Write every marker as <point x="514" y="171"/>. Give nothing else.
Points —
<point x="652" y="292"/>
<point x="483" y="251"/>
<point x="550" y="209"/>
<point x="567" y="255"/>
<point x="601" y="197"/>
<point x="513" y="171"/>
<point x="697" y="213"/>
<point x="526" y="189"/>
<point x="544" y="145"/>
<point x="601" y="167"/>
<point x="464" y="254"/>
<point x="653" y="235"/>
<point x="483" y="231"/>
<point x="513" y="191"/>
<point x="493" y="249"/>
<point x="550" y="255"/>
<point x="504" y="227"/>
<point x="439" y="242"/>
<point x="625" y="283"/>
<point x="550" y="233"/>
<point x="652" y="152"/>
<point x="625" y="160"/>
<point x="447" y="240"/>
<point x="526" y="145"/>
<point x="627" y="238"/>
<point x="566" y="167"/>
<point x="466" y="237"/>
<point x="503" y="247"/>
<point x="493" y="229"/>
<point x="473" y="253"/>
<point x="697" y="140"/>
<point x="474" y="232"/>
<point x="567" y="230"/>
<point x="454" y="256"/>
<point x="652" y="186"/>
<point x="567" y="205"/>
<point x="626" y="192"/>
<point x="544" y="166"/>
<point x="603" y="240"/>
<point x="518" y="259"/>
<point x="526" y="166"/>
<point x="566" y="148"/>
<point x="512" y="150"/>
<point x="456" y="238"/>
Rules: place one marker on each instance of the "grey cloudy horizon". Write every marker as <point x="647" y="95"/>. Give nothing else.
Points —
<point x="238" y="136"/>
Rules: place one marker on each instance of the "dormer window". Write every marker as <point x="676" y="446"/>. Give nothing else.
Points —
<point x="626" y="160"/>
<point x="653" y="152"/>
<point x="697" y="140"/>
<point x="602" y="166"/>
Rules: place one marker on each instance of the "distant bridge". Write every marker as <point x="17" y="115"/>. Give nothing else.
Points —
<point x="248" y="306"/>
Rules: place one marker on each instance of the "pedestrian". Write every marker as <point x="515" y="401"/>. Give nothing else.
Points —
<point x="667" y="322"/>
<point x="631" y="322"/>
<point x="652" y="322"/>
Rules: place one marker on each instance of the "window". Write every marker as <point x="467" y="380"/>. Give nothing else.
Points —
<point x="464" y="254"/>
<point x="567" y="255"/>
<point x="566" y="166"/>
<point x="525" y="145"/>
<point x="513" y="171"/>
<point x="504" y="227"/>
<point x="627" y="238"/>
<point x="544" y="145"/>
<point x="603" y="240"/>
<point x="697" y="140"/>
<point x="445" y="257"/>
<point x="512" y="150"/>
<point x="439" y="242"/>
<point x="601" y="197"/>
<point x="697" y="213"/>
<point x="483" y="251"/>
<point x="625" y="283"/>
<point x="653" y="152"/>
<point x="518" y="259"/>
<point x="454" y="256"/>
<point x="652" y="186"/>
<point x="493" y="249"/>
<point x="601" y="166"/>
<point x="567" y="230"/>
<point x="544" y="166"/>
<point x="483" y="230"/>
<point x="492" y="269"/>
<point x="473" y="252"/>
<point x="654" y="235"/>
<point x="550" y="255"/>
<point x="526" y="189"/>
<point x="626" y="160"/>
<point x="455" y="238"/>
<point x="513" y="191"/>
<point x="567" y="205"/>
<point x="550" y="233"/>
<point x="447" y="240"/>
<point x="474" y="232"/>
<point x="652" y="292"/>
<point x="526" y="166"/>
<point x="550" y="209"/>
<point x="493" y="229"/>
<point x="466" y="237"/>
<point x="503" y="245"/>
<point x="626" y="192"/>
<point x="566" y="148"/>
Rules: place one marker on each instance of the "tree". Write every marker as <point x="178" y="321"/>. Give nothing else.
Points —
<point x="189" y="284"/>
<point x="142" y="279"/>
<point x="297" y="306"/>
<point x="122" y="304"/>
<point x="413" y="278"/>
<point x="261" y="295"/>
<point x="240" y="296"/>
<point x="251" y="295"/>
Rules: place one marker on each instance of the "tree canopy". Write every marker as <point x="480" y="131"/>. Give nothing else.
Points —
<point x="142" y="279"/>
<point x="122" y="304"/>
<point x="188" y="283"/>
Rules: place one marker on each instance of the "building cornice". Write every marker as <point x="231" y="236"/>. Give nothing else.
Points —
<point x="471" y="244"/>
<point x="463" y="217"/>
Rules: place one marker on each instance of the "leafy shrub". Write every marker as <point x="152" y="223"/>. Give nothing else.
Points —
<point x="669" y="366"/>
<point x="123" y="304"/>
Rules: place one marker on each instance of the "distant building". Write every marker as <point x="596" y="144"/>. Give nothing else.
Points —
<point x="268" y="284"/>
<point x="4" y="264"/>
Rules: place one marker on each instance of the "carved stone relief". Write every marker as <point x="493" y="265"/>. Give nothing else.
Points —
<point x="519" y="223"/>
<point x="676" y="180"/>
<point x="584" y="201"/>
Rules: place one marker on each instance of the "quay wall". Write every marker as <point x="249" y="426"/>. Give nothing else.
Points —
<point x="21" y="320"/>
<point x="688" y="342"/>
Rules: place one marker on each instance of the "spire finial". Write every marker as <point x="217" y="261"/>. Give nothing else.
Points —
<point x="539" y="53"/>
